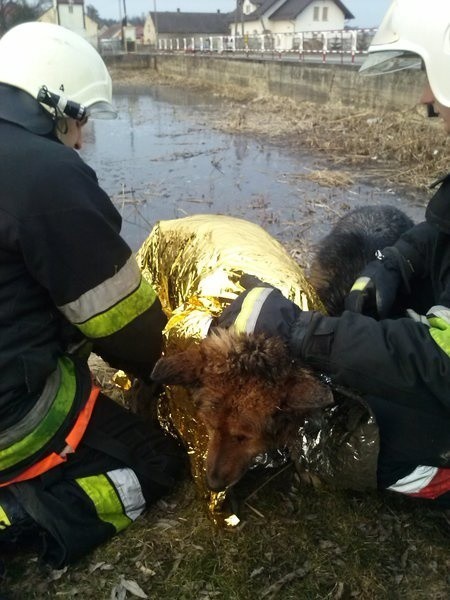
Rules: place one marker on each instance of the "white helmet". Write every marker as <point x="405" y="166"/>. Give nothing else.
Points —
<point x="413" y="31"/>
<point x="36" y="55"/>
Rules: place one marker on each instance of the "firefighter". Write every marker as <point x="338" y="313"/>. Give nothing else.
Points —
<point x="75" y="467"/>
<point x="398" y="360"/>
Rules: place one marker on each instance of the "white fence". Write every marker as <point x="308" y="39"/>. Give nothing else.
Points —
<point x="344" y="42"/>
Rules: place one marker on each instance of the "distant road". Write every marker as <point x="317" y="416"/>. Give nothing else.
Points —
<point x="346" y="59"/>
<point x="331" y="58"/>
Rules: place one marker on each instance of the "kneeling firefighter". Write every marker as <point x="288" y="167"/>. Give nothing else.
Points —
<point x="392" y="343"/>
<point x="75" y="467"/>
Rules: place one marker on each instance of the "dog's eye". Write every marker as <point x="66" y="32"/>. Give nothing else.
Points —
<point x="241" y="438"/>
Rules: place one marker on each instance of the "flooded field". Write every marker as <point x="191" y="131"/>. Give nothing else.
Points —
<point x="162" y="159"/>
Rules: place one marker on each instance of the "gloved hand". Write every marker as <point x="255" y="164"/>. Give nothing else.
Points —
<point x="375" y="290"/>
<point x="262" y="308"/>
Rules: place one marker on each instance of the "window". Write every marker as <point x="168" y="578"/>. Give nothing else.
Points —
<point x="316" y="13"/>
<point x="247" y="8"/>
<point x="325" y="13"/>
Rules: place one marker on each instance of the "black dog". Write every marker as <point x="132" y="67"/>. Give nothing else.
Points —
<point x="351" y="244"/>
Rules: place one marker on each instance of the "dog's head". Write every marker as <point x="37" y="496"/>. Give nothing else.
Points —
<point x="248" y="392"/>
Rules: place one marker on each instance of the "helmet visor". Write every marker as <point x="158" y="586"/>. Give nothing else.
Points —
<point x="101" y="110"/>
<point x="380" y="63"/>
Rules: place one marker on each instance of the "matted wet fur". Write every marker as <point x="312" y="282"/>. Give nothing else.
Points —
<point x="351" y="244"/>
<point x="248" y="392"/>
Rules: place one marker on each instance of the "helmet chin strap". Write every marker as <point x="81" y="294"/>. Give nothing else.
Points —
<point x="430" y="111"/>
<point x="61" y="105"/>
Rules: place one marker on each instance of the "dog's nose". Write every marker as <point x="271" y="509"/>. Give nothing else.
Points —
<point x="216" y="484"/>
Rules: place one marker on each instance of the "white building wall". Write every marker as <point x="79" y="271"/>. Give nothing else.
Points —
<point x="71" y="16"/>
<point x="335" y="19"/>
<point x="76" y="21"/>
<point x="49" y="16"/>
<point x="91" y="32"/>
<point x="149" y="31"/>
<point x="250" y="28"/>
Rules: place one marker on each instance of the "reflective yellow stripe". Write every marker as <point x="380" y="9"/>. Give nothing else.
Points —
<point x="117" y="317"/>
<point x="106" y="500"/>
<point x="360" y="284"/>
<point x="106" y="294"/>
<point x="252" y="302"/>
<point x="4" y="520"/>
<point x="440" y="332"/>
<point x="50" y="424"/>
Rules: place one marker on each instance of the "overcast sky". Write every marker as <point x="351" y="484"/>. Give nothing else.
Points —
<point x="368" y="13"/>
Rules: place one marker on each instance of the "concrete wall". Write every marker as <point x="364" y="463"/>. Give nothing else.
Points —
<point x="319" y="83"/>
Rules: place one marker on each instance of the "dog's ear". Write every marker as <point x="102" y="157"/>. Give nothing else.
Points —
<point x="307" y="393"/>
<point x="303" y="395"/>
<point x="179" y="369"/>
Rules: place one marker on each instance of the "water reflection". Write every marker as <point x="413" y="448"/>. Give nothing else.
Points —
<point x="160" y="159"/>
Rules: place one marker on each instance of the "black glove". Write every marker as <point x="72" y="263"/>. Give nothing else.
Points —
<point x="375" y="290"/>
<point x="262" y="308"/>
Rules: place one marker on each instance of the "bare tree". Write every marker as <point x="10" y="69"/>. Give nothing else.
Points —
<point x="93" y="13"/>
<point x="20" y="11"/>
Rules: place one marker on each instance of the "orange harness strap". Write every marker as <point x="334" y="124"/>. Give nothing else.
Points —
<point x="73" y="439"/>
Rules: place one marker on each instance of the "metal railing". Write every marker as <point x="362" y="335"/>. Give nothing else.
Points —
<point x="348" y="43"/>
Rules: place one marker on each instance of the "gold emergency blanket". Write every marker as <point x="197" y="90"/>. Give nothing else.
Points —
<point x="195" y="264"/>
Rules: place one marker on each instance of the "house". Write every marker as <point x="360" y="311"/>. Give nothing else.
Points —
<point x="139" y="35"/>
<point x="161" y="27"/>
<point x="71" y="14"/>
<point x="289" y="16"/>
<point x="110" y="39"/>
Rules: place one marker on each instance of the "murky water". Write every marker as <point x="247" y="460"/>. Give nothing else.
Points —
<point x="162" y="160"/>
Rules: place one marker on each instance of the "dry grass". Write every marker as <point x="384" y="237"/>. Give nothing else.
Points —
<point x="295" y="542"/>
<point x="329" y="178"/>
<point x="402" y="148"/>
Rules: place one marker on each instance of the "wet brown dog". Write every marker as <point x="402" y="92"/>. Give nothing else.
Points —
<point x="251" y="396"/>
<point x="248" y="392"/>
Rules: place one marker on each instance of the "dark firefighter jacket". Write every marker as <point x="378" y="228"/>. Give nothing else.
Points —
<point x="66" y="276"/>
<point x="399" y="358"/>
<point x="401" y="366"/>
